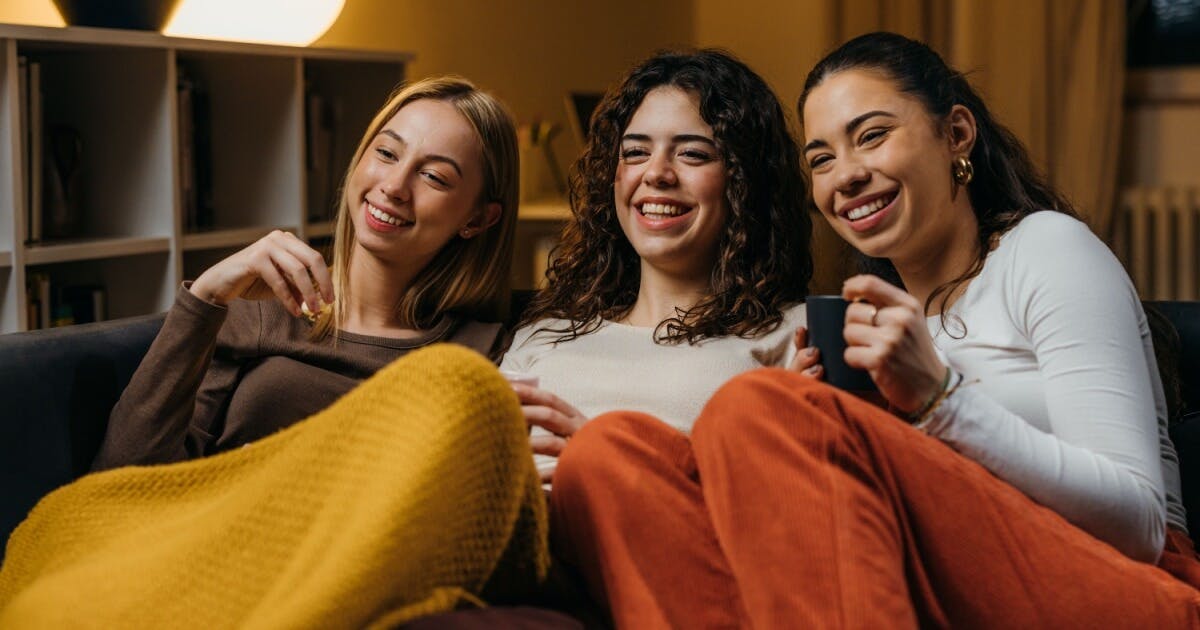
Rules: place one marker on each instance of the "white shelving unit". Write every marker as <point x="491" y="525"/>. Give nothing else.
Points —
<point x="118" y="91"/>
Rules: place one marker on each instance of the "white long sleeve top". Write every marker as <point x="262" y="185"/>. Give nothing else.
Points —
<point x="1061" y="394"/>
<point x="620" y="367"/>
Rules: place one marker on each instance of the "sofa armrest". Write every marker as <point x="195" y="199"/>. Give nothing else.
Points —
<point x="1185" y="317"/>
<point x="58" y="387"/>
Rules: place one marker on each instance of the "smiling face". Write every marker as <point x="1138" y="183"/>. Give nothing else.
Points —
<point x="670" y="185"/>
<point x="418" y="185"/>
<point x="881" y="170"/>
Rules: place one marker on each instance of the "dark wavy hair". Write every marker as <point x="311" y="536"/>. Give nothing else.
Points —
<point x="1007" y="187"/>
<point x="764" y="261"/>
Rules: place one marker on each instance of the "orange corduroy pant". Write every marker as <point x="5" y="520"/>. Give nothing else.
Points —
<point x="796" y="505"/>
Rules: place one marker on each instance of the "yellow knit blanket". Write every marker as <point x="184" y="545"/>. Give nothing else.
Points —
<point x="401" y="499"/>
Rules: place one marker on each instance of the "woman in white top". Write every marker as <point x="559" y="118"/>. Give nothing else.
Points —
<point x="1023" y="477"/>
<point x="686" y="258"/>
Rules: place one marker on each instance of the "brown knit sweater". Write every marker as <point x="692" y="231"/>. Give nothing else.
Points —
<point x="217" y="377"/>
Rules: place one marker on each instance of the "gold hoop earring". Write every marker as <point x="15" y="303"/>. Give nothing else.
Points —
<point x="963" y="170"/>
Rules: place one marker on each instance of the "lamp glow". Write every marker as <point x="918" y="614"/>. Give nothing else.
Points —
<point x="34" y="12"/>
<point x="291" y="22"/>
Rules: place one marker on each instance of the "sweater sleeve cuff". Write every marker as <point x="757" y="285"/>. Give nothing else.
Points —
<point x="201" y="313"/>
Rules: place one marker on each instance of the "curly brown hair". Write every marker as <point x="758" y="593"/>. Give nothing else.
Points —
<point x="764" y="259"/>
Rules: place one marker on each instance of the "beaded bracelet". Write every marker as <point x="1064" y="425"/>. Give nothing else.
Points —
<point x="920" y="422"/>
<point x="918" y="416"/>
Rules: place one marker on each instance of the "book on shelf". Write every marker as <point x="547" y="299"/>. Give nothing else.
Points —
<point x="37" y="294"/>
<point x="186" y="133"/>
<point x="195" y="150"/>
<point x="33" y="142"/>
<point x="321" y="116"/>
<point x="23" y="149"/>
<point x="62" y="199"/>
<point x="51" y="306"/>
<point x="79" y="304"/>
<point x="50" y="157"/>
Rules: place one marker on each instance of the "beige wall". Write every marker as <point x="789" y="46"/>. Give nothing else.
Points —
<point x="36" y="12"/>
<point x="527" y="52"/>
<point x="782" y="41"/>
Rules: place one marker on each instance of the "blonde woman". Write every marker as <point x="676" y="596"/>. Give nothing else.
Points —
<point x="311" y="500"/>
<point x="421" y="252"/>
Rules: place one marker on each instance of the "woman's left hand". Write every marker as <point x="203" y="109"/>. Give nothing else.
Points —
<point x="544" y="409"/>
<point x="886" y="335"/>
<point x="807" y="360"/>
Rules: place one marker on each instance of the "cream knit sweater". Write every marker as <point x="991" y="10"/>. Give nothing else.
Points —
<point x="621" y="367"/>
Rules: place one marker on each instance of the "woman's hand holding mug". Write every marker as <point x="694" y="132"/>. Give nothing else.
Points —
<point x="545" y="410"/>
<point x="886" y="335"/>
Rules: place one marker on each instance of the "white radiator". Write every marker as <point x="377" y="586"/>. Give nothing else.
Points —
<point x="1157" y="237"/>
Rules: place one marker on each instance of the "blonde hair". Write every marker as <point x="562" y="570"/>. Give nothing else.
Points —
<point x="468" y="277"/>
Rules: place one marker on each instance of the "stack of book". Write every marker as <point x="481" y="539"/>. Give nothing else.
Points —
<point x="51" y="305"/>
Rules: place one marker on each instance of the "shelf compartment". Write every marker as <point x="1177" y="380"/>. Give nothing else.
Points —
<point x="119" y="91"/>
<point x="132" y="285"/>
<point x="93" y="249"/>
<point x="110" y="112"/>
<point x="235" y="237"/>
<point x="246" y="108"/>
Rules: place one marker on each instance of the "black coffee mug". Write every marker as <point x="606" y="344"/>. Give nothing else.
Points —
<point x="826" y="320"/>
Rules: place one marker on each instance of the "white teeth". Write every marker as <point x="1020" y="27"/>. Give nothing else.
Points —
<point x="385" y="217"/>
<point x="661" y="210"/>
<point x="868" y="209"/>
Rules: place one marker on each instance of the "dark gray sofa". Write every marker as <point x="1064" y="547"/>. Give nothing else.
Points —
<point x="58" y="385"/>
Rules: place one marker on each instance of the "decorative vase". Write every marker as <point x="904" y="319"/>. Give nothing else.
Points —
<point x="149" y="15"/>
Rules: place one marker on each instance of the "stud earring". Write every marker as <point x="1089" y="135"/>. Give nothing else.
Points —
<point x="963" y="170"/>
<point x="467" y="233"/>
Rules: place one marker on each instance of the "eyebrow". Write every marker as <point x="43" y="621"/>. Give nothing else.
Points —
<point x="850" y="127"/>
<point x="679" y="139"/>
<point x="432" y="157"/>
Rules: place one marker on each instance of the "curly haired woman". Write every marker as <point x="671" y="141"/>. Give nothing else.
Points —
<point x="687" y="257"/>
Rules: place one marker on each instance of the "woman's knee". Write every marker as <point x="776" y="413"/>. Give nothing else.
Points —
<point x="440" y="402"/>
<point x="759" y="399"/>
<point x="609" y="445"/>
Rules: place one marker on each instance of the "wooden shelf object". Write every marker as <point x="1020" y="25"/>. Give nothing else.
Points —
<point x="237" y="237"/>
<point x="181" y="151"/>
<point x="549" y="209"/>
<point x="93" y="249"/>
